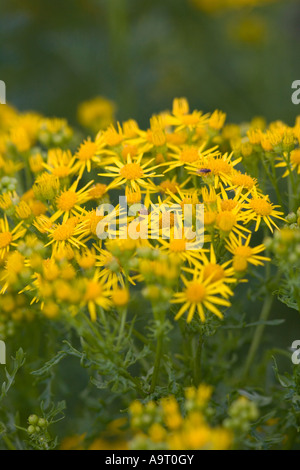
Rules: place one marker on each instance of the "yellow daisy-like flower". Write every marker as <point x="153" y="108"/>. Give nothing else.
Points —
<point x="132" y="173"/>
<point x="292" y="163"/>
<point x="70" y="200"/>
<point x="190" y="155"/>
<point x="216" y="272"/>
<point x="8" y="237"/>
<point x="96" y="294"/>
<point x="259" y="208"/>
<point x="242" y="182"/>
<point x="86" y="155"/>
<point x="86" y="259"/>
<point x="217" y="169"/>
<point x="177" y="247"/>
<point x="227" y="222"/>
<point x="68" y="234"/>
<point x="60" y="163"/>
<point x="217" y="120"/>
<point x="199" y="294"/>
<point x="182" y="118"/>
<point x="244" y="254"/>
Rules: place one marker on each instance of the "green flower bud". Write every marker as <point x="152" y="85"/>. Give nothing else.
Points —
<point x="291" y="218"/>
<point x="31" y="429"/>
<point x="43" y="423"/>
<point x="33" y="419"/>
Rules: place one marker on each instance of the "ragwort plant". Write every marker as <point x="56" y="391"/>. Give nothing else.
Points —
<point x="148" y="320"/>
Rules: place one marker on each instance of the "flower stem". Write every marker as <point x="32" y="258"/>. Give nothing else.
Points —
<point x="198" y="361"/>
<point x="122" y="326"/>
<point x="158" y="354"/>
<point x="266" y="310"/>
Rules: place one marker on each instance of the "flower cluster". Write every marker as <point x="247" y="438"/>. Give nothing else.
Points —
<point x="51" y="257"/>
<point x="169" y="426"/>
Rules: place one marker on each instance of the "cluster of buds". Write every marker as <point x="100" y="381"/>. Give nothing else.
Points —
<point x="286" y="242"/>
<point x="242" y="413"/>
<point x="159" y="272"/>
<point x="38" y="432"/>
<point x="8" y="183"/>
<point x="169" y="425"/>
<point x="54" y="132"/>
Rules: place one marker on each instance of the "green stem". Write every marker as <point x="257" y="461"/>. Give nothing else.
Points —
<point x="122" y="326"/>
<point x="198" y="361"/>
<point x="258" y="333"/>
<point x="158" y="354"/>
<point x="273" y="180"/>
<point x="8" y="442"/>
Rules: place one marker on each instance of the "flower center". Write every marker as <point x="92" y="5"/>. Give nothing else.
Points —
<point x="295" y="157"/>
<point x="240" y="263"/>
<point x="195" y="292"/>
<point x="5" y="239"/>
<point x="93" y="291"/>
<point x="243" y="180"/>
<point x="87" y="151"/>
<point x="219" y="166"/>
<point x="63" y="232"/>
<point x="261" y="206"/>
<point x="226" y="220"/>
<point x="131" y="171"/>
<point x="177" y="246"/>
<point x="214" y="271"/>
<point x="189" y="155"/>
<point x="169" y="185"/>
<point x="243" y="251"/>
<point x="228" y="205"/>
<point x="67" y="200"/>
<point x="97" y="191"/>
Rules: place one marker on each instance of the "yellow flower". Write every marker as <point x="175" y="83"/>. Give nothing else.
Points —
<point x="219" y="169"/>
<point x="200" y="293"/>
<point x="86" y="259"/>
<point x="97" y="191"/>
<point x="20" y="139"/>
<point x="293" y="163"/>
<point x="63" y="235"/>
<point x="96" y="294"/>
<point x="9" y="237"/>
<point x="244" y="254"/>
<point x="259" y="208"/>
<point x="85" y="155"/>
<point x="120" y="297"/>
<point x="60" y="163"/>
<point x="217" y="120"/>
<point x="215" y="272"/>
<point x="23" y="210"/>
<point x="97" y="113"/>
<point x="36" y="163"/>
<point x="190" y="155"/>
<point x="69" y="201"/>
<point x="46" y="186"/>
<point x="133" y="173"/>
<point x="242" y="182"/>
<point x="182" y="118"/>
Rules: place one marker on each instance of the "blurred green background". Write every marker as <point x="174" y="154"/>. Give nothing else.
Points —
<point x="143" y="53"/>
